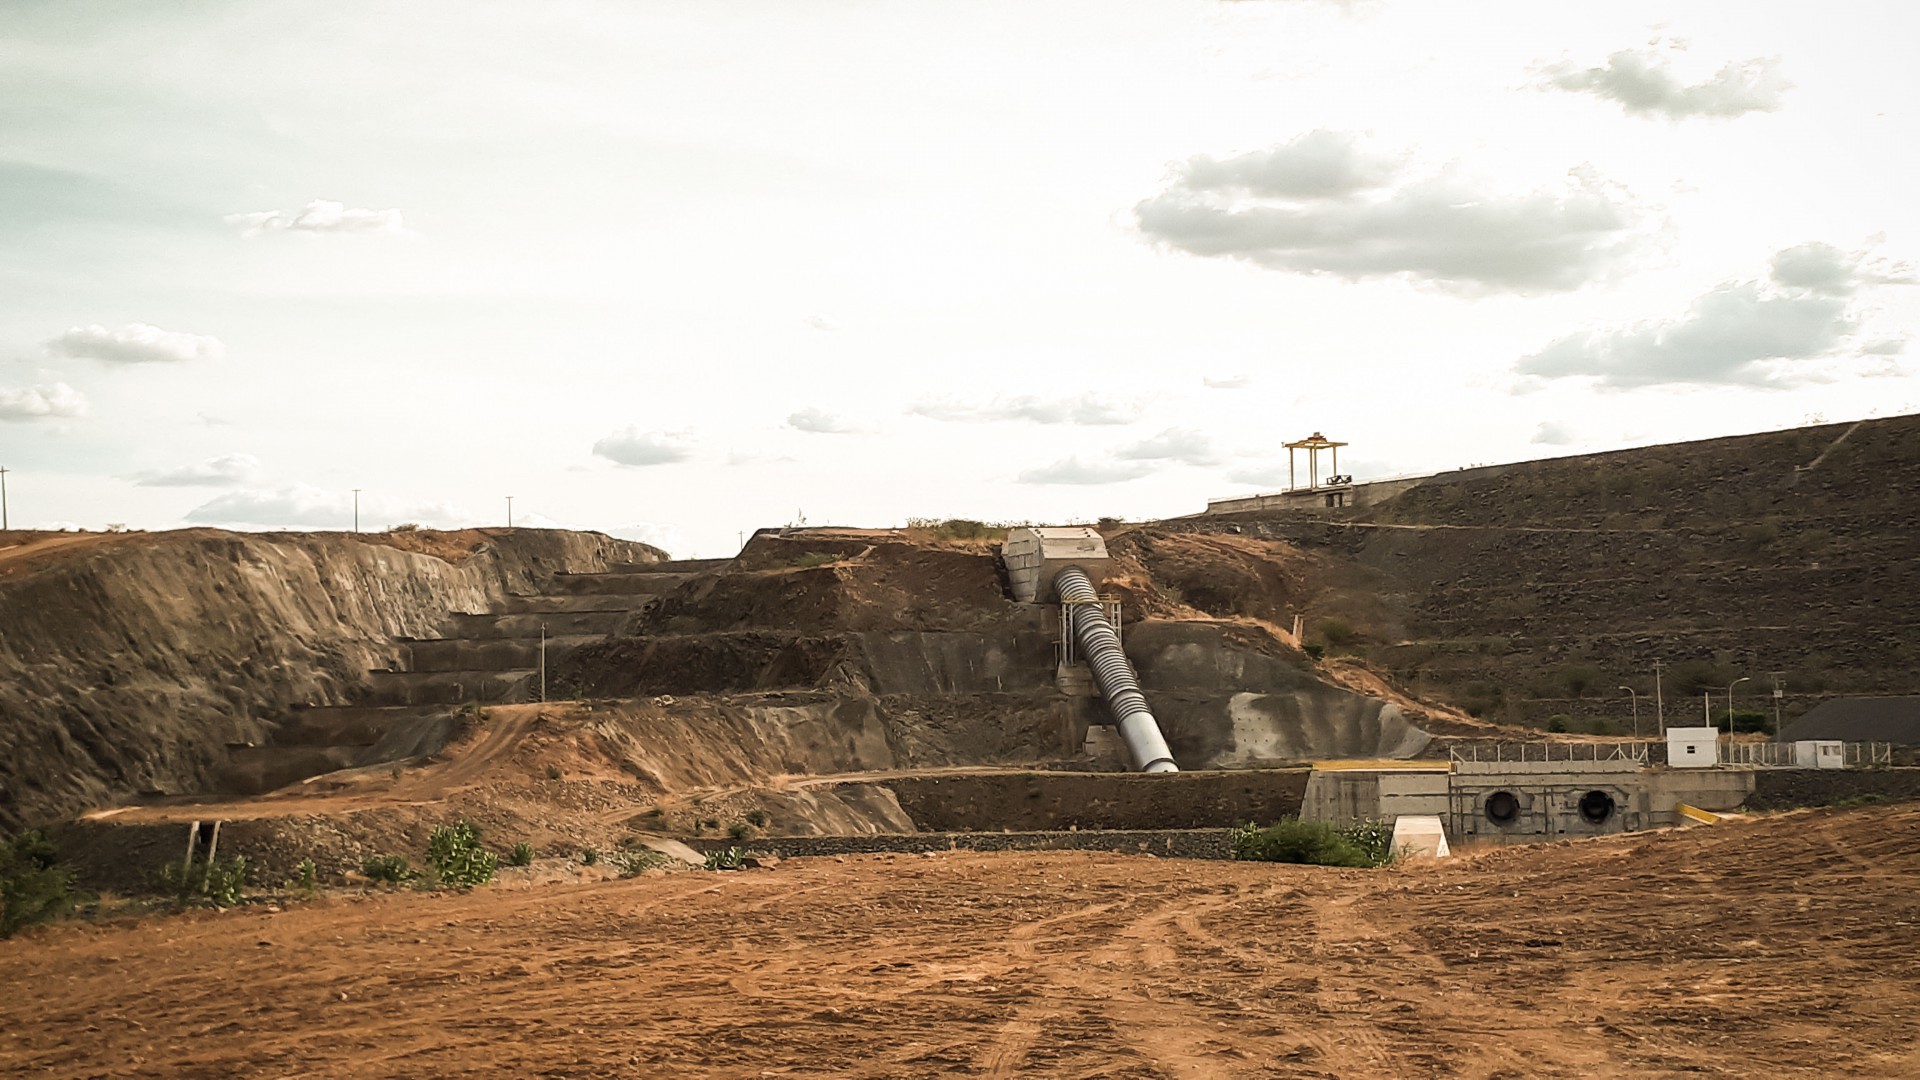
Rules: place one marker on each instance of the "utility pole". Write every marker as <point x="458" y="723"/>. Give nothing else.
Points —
<point x="1659" y="704"/>
<point x="509" y="511"/>
<point x="356" y="509"/>
<point x="3" y="499"/>
<point x="543" y="663"/>
<point x="1779" y="693"/>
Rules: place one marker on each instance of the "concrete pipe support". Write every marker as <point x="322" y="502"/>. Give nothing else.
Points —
<point x="1112" y="672"/>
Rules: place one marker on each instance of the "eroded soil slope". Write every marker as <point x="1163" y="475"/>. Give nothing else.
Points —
<point x="1783" y="947"/>
<point x="129" y="661"/>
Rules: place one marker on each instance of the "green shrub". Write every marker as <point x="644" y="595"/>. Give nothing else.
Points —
<point x="815" y="558"/>
<point x="1315" y="842"/>
<point x="456" y="854"/>
<point x="1749" y="720"/>
<point x="522" y="855"/>
<point x="740" y="830"/>
<point x="215" y="882"/>
<point x="757" y="818"/>
<point x="1579" y="678"/>
<point x="34" y="888"/>
<point x="1314" y="650"/>
<point x="308" y="880"/>
<point x="1338" y="632"/>
<point x="731" y="859"/>
<point x="590" y="856"/>
<point x="1557" y="723"/>
<point x="393" y="869"/>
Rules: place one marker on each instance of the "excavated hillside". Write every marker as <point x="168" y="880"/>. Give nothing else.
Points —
<point x="824" y="682"/>
<point x="925" y="633"/>
<point x="1530" y="592"/>
<point x="131" y="662"/>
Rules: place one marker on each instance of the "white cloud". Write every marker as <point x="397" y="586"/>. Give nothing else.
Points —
<point x="1643" y="83"/>
<point x="631" y="446"/>
<point x="1270" y="474"/>
<point x="42" y="402"/>
<point x="818" y="422"/>
<point x="135" y="343"/>
<point x="1084" y="409"/>
<point x="1228" y="382"/>
<point x="822" y="322"/>
<point x="319" y="217"/>
<point x="1074" y="471"/>
<point x="1355" y="223"/>
<point x="223" y="471"/>
<point x="1552" y="434"/>
<point x="303" y="506"/>
<point x="1184" y="445"/>
<point x="668" y="538"/>
<point x="1829" y="271"/>
<point x="1321" y="164"/>
<point x="1747" y="333"/>
<point x="1885" y="347"/>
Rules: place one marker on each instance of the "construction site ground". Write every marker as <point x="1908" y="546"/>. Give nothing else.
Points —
<point x="1784" y="945"/>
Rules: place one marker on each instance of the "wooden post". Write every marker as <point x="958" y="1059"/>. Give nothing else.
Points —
<point x="193" y="838"/>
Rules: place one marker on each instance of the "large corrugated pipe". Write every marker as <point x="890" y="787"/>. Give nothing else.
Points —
<point x="1112" y="672"/>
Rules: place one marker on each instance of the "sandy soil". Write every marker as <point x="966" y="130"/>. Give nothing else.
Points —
<point x="1783" y="947"/>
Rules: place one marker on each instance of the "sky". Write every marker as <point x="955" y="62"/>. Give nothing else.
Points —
<point x="679" y="271"/>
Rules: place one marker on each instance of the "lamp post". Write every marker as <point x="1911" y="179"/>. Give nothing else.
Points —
<point x="356" y="509"/>
<point x="1635" y="699"/>
<point x="509" y="511"/>
<point x="1730" y="687"/>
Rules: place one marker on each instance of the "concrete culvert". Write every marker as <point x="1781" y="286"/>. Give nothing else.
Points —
<point x="1503" y="808"/>
<point x="1596" y="807"/>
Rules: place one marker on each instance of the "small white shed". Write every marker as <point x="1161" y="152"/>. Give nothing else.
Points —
<point x="1693" y="747"/>
<point x="1820" y="754"/>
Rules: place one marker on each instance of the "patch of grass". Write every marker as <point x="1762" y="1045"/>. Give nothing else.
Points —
<point x="637" y="861"/>
<point x="391" y="869"/>
<point x="457" y="857"/>
<point x="814" y="558"/>
<point x="217" y="883"/>
<point x="522" y="855"/>
<point x="757" y="818"/>
<point x="740" y="830"/>
<point x="1316" y="843"/>
<point x="590" y="856"/>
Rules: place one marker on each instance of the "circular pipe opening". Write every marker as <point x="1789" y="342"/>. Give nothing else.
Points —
<point x="1596" y="807"/>
<point x="1503" y="808"/>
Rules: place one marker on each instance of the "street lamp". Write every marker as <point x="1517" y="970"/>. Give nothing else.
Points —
<point x="1635" y="698"/>
<point x="1730" y="687"/>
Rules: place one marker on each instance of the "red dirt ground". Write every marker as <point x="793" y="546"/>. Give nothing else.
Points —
<point x="1787" y="946"/>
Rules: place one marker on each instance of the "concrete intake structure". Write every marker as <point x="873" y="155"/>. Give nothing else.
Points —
<point x="1112" y="672"/>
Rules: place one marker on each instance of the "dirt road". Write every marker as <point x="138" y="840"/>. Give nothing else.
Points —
<point x="1783" y="947"/>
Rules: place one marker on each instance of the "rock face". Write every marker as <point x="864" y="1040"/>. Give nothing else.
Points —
<point x="130" y="664"/>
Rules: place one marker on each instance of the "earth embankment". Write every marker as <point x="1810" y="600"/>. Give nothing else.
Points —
<point x="129" y="662"/>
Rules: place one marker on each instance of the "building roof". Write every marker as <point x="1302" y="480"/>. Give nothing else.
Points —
<point x="1860" y="719"/>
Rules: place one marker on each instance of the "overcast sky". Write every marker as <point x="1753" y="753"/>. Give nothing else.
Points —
<point x="682" y="270"/>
